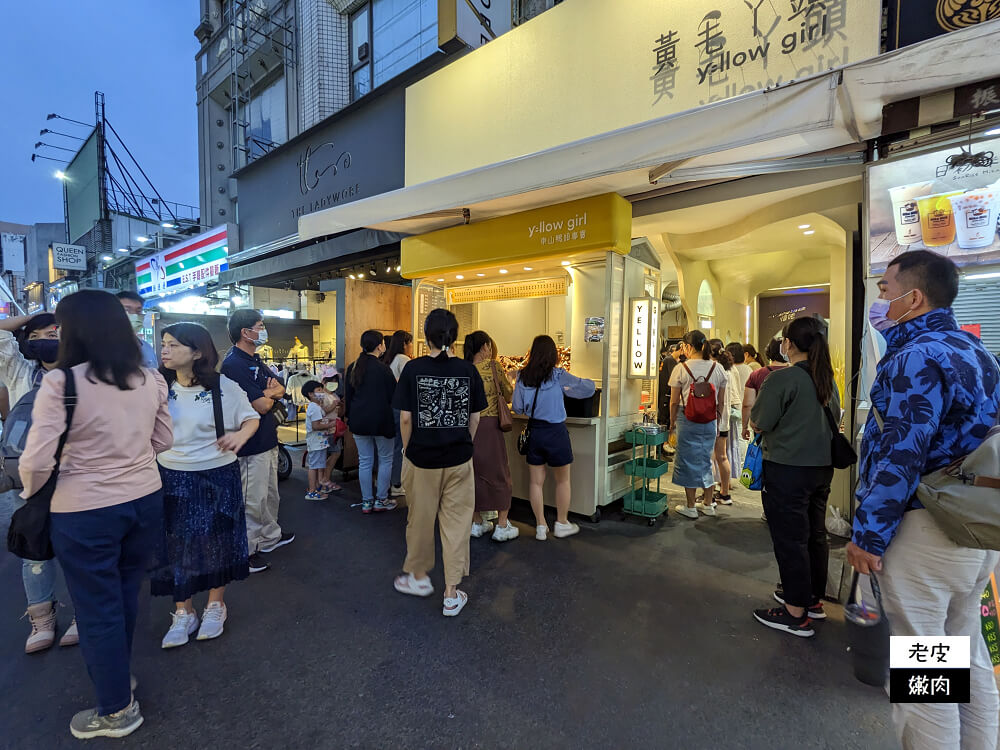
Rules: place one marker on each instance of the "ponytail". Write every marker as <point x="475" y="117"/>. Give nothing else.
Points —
<point x="697" y="341"/>
<point x="754" y="354"/>
<point x="441" y="330"/>
<point x="369" y="343"/>
<point x="809" y="336"/>
<point x="721" y="355"/>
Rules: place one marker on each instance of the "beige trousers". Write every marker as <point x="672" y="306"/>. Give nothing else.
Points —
<point x="260" y="494"/>
<point x="931" y="586"/>
<point x="448" y="495"/>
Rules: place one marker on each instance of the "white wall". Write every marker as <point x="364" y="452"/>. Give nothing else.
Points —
<point x="513" y="324"/>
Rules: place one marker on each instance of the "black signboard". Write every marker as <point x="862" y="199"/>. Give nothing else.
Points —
<point x="357" y="154"/>
<point x="912" y="21"/>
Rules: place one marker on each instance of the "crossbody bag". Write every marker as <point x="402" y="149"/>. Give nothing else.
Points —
<point x="525" y="436"/>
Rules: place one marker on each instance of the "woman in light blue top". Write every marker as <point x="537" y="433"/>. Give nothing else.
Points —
<point x="539" y="394"/>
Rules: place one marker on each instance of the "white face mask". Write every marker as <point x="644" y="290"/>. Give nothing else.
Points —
<point x="878" y="313"/>
<point x="784" y="350"/>
<point x="261" y="337"/>
<point x="137" y="320"/>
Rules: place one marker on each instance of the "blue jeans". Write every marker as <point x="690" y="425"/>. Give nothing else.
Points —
<point x="38" y="576"/>
<point x="397" y="453"/>
<point x="368" y="446"/>
<point x="104" y="555"/>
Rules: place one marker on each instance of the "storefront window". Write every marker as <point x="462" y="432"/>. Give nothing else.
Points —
<point x="387" y="38"/>
<point x="268" y="126"/>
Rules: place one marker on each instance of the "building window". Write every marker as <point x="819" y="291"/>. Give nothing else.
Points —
<point x="268" y="126"/>
<point x="361" y="51"/>
<point x="388" y="37"/>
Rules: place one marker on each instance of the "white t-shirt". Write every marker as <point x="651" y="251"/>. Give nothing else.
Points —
<point x="315" y="440"/>
<point x="734" y="390"/>
<point x="398" y="363"/>
<point x="743" y="375"/>
<point x="679" y="378"/>
<point x="194" y="425"/>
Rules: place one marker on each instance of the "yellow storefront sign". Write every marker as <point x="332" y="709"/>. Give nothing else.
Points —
<point x="603" y="222"/>
<point x="594" y="66"/>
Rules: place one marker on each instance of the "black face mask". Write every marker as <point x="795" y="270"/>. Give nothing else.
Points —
<point x="44" y="350"/>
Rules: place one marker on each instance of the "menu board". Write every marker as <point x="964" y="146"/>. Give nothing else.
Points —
<point x="946" y="201"/>
<point x="991" y="625"/>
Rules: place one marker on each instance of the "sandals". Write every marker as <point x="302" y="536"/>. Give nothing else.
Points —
<point x="453" y="606"/>
<point x="407" y="584"/>
<point x="328" y="487"/>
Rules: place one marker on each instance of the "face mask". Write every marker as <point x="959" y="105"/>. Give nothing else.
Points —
<point x="332" y="387"/>
<point x="878" y="313"/>
<point x="783" y="350"/>
<point x="261" y="337"/>
<point x="137" y="320"/>
<point x="44" y="350"/>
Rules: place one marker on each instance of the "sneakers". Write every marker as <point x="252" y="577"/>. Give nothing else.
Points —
<point x="478" y="529"/>
<point x="815" y="611"/>
<point x="564" y="530"/>
<point x="686" y="511"/>
<point x="72" y="636"/>
<point x="257" y="563"/>
<point x="287" y="537"/>
<point x="397" y="491"/>
<point x="541" y="533"/>
<point x="212" y="620"/>
<point x="316" y="495"/>
<point x="88" y="724"/>
<point x="382" y="506"/>
<point x="723" y="499"/>
<point x="708" y="510"/>
<point x="505" y="533"/>
<point x="366" y="506"/>
<point x="43" y="627"/>
<point x="184" y="625"/>
<point x="779" y="618"/>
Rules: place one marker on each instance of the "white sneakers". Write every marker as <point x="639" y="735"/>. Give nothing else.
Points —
<point x="685" y="511"/>
<point x="708" y="510"/>
<point x="505" y="533"/>
<point x="564" y="530"/>
<point x="478" y="529"/>
<point x="184" y="625"/>
<point x="212" y="620"/>
<point x="541" y="533"/>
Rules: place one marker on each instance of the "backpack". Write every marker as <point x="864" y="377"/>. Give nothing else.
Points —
<point x="14" y="436"/>
<point x="700" y="407"/>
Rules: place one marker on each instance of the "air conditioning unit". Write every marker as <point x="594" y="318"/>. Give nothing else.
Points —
<point x="363" y="52"/>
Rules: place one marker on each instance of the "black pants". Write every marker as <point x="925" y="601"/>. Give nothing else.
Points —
<point x="795" y="505"/>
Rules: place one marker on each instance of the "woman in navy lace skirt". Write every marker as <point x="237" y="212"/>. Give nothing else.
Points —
<point x="205" y="537"/>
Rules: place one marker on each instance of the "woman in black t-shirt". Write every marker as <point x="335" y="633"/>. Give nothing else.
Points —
<point x="439" y="398"/>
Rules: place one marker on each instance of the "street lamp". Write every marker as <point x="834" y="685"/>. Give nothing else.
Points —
<point x="49" y="145"/>
<point x="40" y="156"/>
<point x="54" y="116"/>
<point x="46" y="131"/>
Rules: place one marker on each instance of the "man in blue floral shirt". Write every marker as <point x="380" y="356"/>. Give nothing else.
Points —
<point x="936" y="395"/>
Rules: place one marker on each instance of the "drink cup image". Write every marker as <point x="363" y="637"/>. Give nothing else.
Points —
<point x="905" y="213"/>
<point x="975" y="217"/>
<point x="937" y="220"/>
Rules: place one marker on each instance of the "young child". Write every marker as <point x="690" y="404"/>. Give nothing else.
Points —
<point x="318" y="423"/>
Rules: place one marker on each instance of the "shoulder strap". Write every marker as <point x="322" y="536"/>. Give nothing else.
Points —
<point x="220" y="423"/>
<point x="685" y="366"/>
<point x="710" y="371"/>
<point x="69" y="401"/>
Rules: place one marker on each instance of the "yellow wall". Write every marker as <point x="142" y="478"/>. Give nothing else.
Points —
<point x="590" y="66"/>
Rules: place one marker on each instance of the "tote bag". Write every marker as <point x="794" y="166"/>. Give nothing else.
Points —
<point x="752" y="476"/>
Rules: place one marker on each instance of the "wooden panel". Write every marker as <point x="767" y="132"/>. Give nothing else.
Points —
<point x="371" y="305"/>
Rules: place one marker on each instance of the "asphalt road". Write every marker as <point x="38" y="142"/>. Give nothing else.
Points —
<point x="624" y="636"/>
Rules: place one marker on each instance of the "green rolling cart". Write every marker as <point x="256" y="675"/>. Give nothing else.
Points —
<point x="641" y="499"/>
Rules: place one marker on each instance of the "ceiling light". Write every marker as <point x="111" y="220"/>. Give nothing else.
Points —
<point x="459" y="277"/>
<point x="167" y="225"/>
<point x="398" y="269"/>
<point x="123" y="249"/>
<point x="106" y="258"/>
<point x="809" y="231"/>
<point x="994" y="131"/>
<point x="439" y="280"/>
<point x="140" y="238"/>
<point x="528" y="268"/>
<point x="564" y="263"/>
<point x="977" y="276"/>
<point x="503" y="270"/>
<point x="804" y="226"/>
<point x="480" y="275"/>
<point x="372" y="270"/>
<point x="352" y="276"/>
<point x="237" y="299"/>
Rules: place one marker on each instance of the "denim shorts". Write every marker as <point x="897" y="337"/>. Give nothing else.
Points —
<point x="549" y="444"/>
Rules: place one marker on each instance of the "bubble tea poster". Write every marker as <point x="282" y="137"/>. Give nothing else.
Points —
<point x="939" y="200"/>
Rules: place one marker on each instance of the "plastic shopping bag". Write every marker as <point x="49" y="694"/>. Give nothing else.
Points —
<point x="752" y="476"/>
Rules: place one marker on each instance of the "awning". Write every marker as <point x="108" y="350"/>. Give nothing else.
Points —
<point x="291" y="266"/>
<point x="826" y="111"/>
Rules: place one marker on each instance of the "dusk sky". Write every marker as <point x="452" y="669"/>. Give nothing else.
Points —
<point x="56" y="53"/>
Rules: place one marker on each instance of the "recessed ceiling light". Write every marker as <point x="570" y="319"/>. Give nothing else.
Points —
<point x="440" y="279"/>
<point x="528" y="268"/>
<point x="810" y="231"/>
<point x="459" y="277"/>
<point x="564" y="263"/>
<point x="804" y="226"/>
<point x="503" y="270"/>
<point x="480" y="274"/>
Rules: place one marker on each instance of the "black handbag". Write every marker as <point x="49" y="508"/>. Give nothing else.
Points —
<point x="525" y="436"/>
<point x="29" y="535"/>
<point x="843" y="453"/>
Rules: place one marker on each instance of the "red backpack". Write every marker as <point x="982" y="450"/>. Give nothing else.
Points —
<point x="700" y="407"/>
